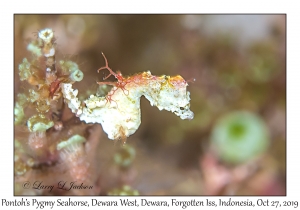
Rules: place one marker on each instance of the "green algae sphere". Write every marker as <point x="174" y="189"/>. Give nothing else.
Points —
<point x="240" y="136"/>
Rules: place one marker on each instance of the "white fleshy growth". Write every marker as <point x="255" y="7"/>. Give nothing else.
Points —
<point x="119" y="112"/>
<point x="71" y="99"/>
<point x="51" y="52"/>
<point x="46" y="35"/>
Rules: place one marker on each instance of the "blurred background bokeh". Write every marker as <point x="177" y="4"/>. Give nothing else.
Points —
<point x="236" y="69"/>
